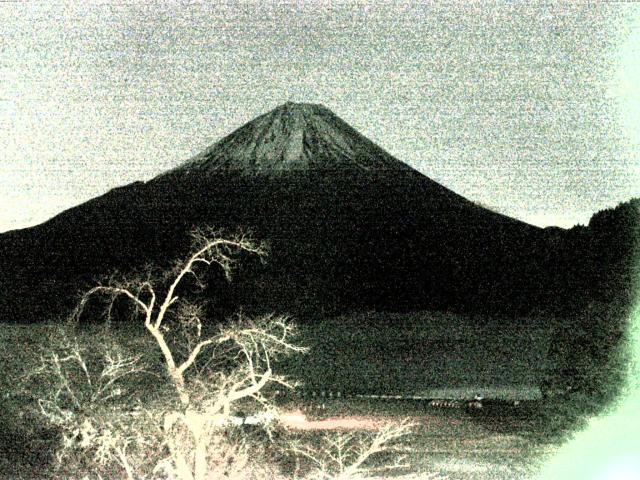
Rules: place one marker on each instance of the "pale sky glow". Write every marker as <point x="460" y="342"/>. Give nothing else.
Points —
<point x="531" y="110"/>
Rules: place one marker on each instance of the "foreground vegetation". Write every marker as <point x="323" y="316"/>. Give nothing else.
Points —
<point x="168" y="394"/>
<point x="168" y="405"/>
<point x="497" y="442"/>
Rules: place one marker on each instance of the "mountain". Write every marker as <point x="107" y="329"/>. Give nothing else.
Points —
<point x="293" y="137"/>
<point x="351" y="228"/>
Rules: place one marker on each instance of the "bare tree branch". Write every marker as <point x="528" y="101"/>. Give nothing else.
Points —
<point x="192" y="357"/>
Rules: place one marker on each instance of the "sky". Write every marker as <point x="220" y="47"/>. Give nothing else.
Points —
<point x="532" y="110"/>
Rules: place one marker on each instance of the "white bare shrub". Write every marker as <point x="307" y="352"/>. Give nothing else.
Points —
<point x="350" y="455"/>
<point x="82" y="388"/>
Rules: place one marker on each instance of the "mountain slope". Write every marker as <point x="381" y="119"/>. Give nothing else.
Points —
<point x="293" y="137"/>
<point x="350" y="228"/>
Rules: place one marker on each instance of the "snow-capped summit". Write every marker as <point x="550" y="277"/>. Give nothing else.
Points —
<point x="293" y="137"/>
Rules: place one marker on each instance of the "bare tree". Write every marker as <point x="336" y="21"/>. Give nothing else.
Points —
<point x="209" y="250"/>
<point x="205" y="398"/>
<point x="207" y="375"/>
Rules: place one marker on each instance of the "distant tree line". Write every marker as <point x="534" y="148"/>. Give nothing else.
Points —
<point x="597" y="289"/>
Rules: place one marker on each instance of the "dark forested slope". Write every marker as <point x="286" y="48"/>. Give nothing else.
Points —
<point x="350" y="228"/>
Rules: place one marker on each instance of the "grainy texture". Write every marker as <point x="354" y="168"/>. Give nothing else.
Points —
<point x="530" y="109"/>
